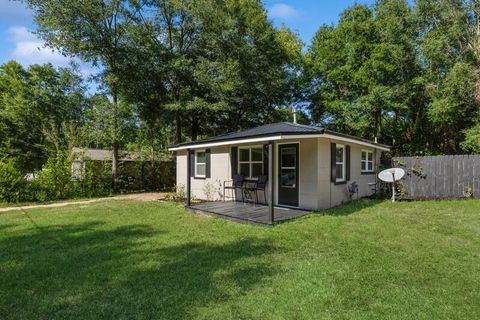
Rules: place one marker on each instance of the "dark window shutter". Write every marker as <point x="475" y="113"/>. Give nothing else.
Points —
<point x="207" y="164"/>
<point x="191" y="156"/>
<point x="233" y="160"/>
<point x="333" y="151"/>
<point x="265" y="159"/>
<point x="347" y="157"/>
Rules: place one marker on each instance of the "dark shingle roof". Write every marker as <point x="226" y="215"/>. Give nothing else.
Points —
<point x="284" y="128"/>
<point x="280" y="128"/>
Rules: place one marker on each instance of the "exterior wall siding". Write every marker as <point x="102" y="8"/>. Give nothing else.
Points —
<point x="181" y="170"/>
<point x="324" y="191"/>
<point x="308" y="172"/>
<point x="331" y="194"/>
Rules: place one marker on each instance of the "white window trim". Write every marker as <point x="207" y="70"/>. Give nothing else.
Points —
<point x="366" y="161"/>
<point x="204" y="163"/>
<point x="250" y="162"/>
<point x="343" y="163"/>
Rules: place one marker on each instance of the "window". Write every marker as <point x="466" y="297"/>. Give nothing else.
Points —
<point x="367" y="161"/>
<point x="200" y="164"/>
<point x="340" y="163"/>
<point x="250" y="161"/>
<point x="288" y="167"/>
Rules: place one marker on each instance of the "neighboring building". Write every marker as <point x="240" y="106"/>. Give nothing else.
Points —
<point x="313" y="168"/>
<point x="102" y="155"/>
<point x="137" y="171"/>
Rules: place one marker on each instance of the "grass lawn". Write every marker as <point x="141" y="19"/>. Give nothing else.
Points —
<point x="129" y="259"/>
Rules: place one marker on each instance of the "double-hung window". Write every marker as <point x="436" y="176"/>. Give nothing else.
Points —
<point x="340" y="163"/>
<point x="367" y="161"/>
<point x="250" y="161"/>
<point x="200" y="164"/>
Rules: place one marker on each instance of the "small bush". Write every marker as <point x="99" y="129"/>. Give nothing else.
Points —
<point x="12" y="183"/>
<point x="54" y="180"/>
<point x="178" y="196"/>
<point x="97" y="180"/>
<point x="209" y="190"/>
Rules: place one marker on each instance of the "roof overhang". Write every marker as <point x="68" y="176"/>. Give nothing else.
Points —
<point x="227" y="143"/>
<point x="277" y="138"/>
<point x="363" y="143"/>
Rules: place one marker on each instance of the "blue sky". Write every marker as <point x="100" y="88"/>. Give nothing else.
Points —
<point x="18" y="43"/>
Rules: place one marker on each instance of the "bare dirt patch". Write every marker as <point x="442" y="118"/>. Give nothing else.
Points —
<point x="147" y="196"/>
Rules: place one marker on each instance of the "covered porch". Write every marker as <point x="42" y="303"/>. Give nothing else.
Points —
<point x="247" y="212"/>
<point x="255" y="212"/>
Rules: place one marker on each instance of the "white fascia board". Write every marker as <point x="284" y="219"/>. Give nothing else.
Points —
<point x="276" y="138"/>
<point x="363" y="143"/>
<point x="225" y="143"/>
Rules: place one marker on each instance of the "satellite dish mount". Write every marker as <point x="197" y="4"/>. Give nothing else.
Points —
<point x="392" y="175"/>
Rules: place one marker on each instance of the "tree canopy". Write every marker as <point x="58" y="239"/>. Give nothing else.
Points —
<point x="36" y="105"/>
<point x="404" y="73"/>
<point x="407" y="75"/>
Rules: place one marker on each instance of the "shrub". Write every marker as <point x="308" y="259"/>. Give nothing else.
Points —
<point x="54" y="180"/>
<point x="96" y="181"/>
<point x="179" y="195"/>
<point x="209" y="190"/>
<point x="12" y="183"/>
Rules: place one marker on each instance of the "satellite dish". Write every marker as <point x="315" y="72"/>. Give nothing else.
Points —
<point x="390" y="176"/>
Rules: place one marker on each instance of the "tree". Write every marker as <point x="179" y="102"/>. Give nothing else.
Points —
<point x="360" y="71"/>
<point x="449" y="52"/>
<point x="472" y="140"/>
<point x="35" y="105"/>
<point x="258" y="61"/>
<point x="205" y="83"/>
<point x="104" y="123"/>
<point x="407" y="75"/>
<point x="96" y="32"/>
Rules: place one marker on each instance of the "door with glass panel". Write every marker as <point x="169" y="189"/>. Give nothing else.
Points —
<point x="288" y="175"/>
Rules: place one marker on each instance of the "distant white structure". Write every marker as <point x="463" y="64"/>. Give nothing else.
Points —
<point x="82" y="154"/>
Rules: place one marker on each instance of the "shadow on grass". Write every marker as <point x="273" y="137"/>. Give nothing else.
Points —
<point x="89" y="271"/>
<point x="350" y="207"/>
<point x="5" y="227"/>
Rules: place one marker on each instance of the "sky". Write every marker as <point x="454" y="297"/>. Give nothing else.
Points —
<point x="17" y="42"/>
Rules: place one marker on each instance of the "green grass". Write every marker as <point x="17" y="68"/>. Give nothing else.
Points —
<point x="127" y="259"/>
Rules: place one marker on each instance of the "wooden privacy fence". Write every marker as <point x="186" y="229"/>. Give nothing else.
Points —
<point x="455" y="176"/>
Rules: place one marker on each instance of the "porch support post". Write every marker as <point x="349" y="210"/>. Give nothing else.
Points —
<point x="189" y="154"/>
<point x="271" y="177"/>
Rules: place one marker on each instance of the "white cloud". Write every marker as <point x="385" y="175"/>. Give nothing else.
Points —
<point x="283" y="11"/>
<point x="15" y="12"/>
<point x="28" y="49"/>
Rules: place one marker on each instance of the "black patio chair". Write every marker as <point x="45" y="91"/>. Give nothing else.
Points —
<point x="236" y="183"/>
<point x="259" y="185"/>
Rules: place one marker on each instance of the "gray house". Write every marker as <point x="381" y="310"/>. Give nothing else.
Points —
<point x="308" y="168"/>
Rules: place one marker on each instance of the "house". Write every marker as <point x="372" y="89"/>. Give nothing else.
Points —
<point x="80" y="155"/>
<point x="135" y="170"/>
<point x="307" y="167"/>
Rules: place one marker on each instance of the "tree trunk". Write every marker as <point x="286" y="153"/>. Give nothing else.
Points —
<point x="114" y="162"/>
<point x="115" y="140"/>
<point x="194" y="132"/>
<point x="178" y="128"/>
